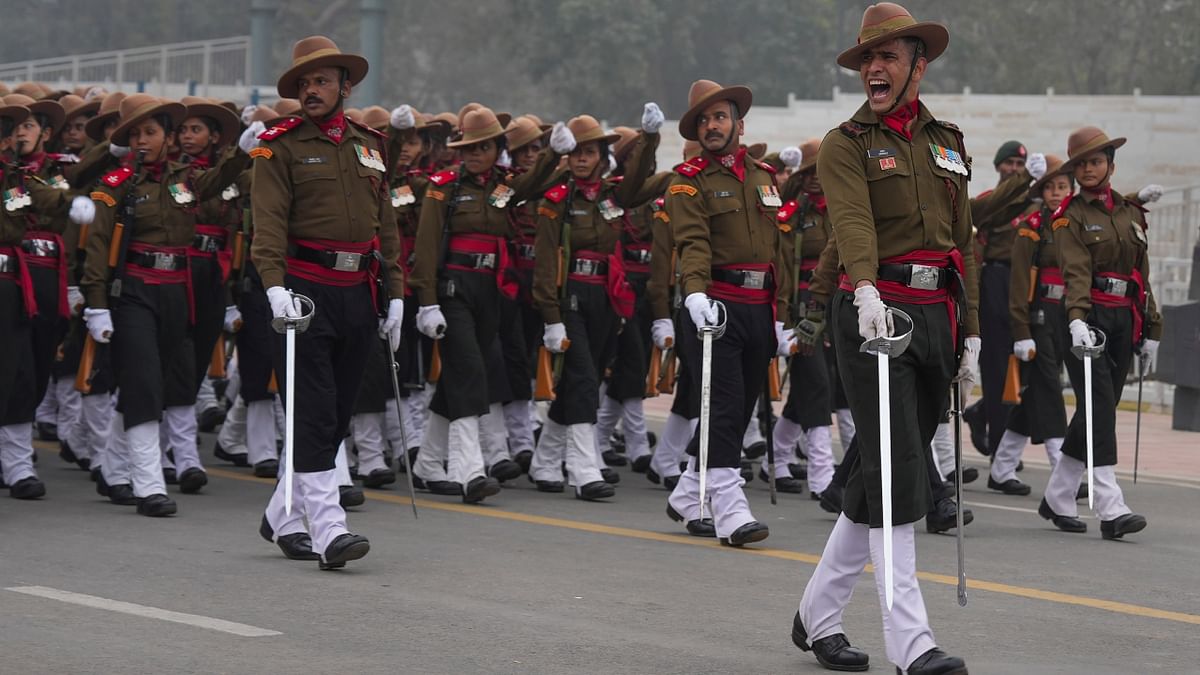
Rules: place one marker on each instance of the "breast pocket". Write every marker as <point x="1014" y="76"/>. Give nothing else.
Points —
<point x="888" y="181"/>
<point x="304" y="173"/>
<point x="725" y="212"/>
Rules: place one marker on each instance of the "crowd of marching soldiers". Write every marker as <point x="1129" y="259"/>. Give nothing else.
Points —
<point x="65" y="154"/>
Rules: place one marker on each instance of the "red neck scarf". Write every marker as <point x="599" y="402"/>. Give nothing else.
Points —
<point x="32" y="163"/>
<point x="735" y="162"/>
<point x="154" y="170"/>
<point x="899" y="120"/>
<point x="1103" y="194"/>
<point x="334" y="127"/>
<point x="590" y="189"/>
<point x="200" y="162"/>
<point x="817" y="199"/>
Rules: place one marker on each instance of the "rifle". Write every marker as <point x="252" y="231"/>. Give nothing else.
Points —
<point x="666" y="381"/>
<point x="549" y="367"/>
<point x="435" y="360"/>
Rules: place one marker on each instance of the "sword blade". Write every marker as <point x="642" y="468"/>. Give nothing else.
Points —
<point x="1087" y="412"/>
<point x="958" y="469"/>
<point x="1137" y="434"/>
<point x="289" y="415"/>
<point x="885" y="471"/>
<point x="412" y="493"/>
<point x="705" y="409"/>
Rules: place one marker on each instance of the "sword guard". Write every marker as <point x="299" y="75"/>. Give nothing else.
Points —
<point x="716" y="330"/>
<point x="1081" y="351"/>
<point x="893" y="345"/>
<point x="308" y="308"/>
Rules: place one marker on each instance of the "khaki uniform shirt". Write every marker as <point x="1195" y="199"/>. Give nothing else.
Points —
<point x="1033" y="247"/>
<point x="995" y="215"/>
<point x="44" y="201"/>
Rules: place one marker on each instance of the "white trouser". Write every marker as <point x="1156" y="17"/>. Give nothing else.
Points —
<point x="547" y="461"/>
<point x="1008" y="456"/>
<point x="367" y="430"/>
<point x="677" y="433"/>
<point x="633" y="423"/>
<point x="416" y="416"/>
<point x="315" y="496"/>
<point x="145" y="458"/>
<point x="233" y="434"/>
<point x="845" y="424"/>
<point x="685" y="498"/>
<point x="392" y="410"/>
<point x="464" y="457"/>
<point x="68" y="408"/>
<point x="493" y="436"/>
<point x="16" y="452"/>
<point x="1054" y="450"/>
<point x="583" y="466"/>
<point x="430" y="465"/>
<point x="341" y="465"/>
<point x="90" y="434"/>
<point x="260" y="432"/>
<point x="1108" y="502"/>
<point x="784" y="438"/>
<point x="518" y="419"/>
<point x="906" y="630"/>
<point x="942" y="448"/>
<point x="729" y="508"/>
<point x="180" y="423"/>
<point x="280" y="417"/>
<point x="276" y="511"/>
<point x="233" y="378"/>
<point x="116" y="466"/>
<point x="753" y="433"/>
<point x="47" y="410"/>
<point x="820" y="458"/>
<point x="607" y="417"/>
<point x="206" y="397"/>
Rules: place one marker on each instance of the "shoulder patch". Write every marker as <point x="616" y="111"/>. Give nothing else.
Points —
<point x="443" y="177"/>
<point x="547" y="212"/>
<point x="261" y="151"/>
<point x="1062" y="208"/>
<point x="280" y="128"/>
<point x="103" y="198"/>
<point x="1060" y="223"/>
<point x="692" y="167"/>
<point x="788" y="210"/>
<point x="852" y="129"/>
<point x="683" y="189"/>
<point x="1029" y="234"/>
<point x="557" y="193"/>
<point x="115" y="178"/>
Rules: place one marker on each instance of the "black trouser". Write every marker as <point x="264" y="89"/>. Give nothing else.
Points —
<point x="919" y="380"/>
<point x="469" y="302"/>
<point x="48" y="329"/>
<point x="687" y="383"/>
<point x="1042" y="412"/>
<point x="520" y="334"/>
<point x="330" y="359"/>
<point x="996" y="346"/>
<point x="255" y="340"/>
<point x="415" y="353"/>
<point x="16" y="357"/>
<point x="151" y="353"/>
<point x="1108" y="380"/>
<point x="208" y="295"/>
<point x="632" y="362"/>
<point x="937" y="487"/>
<point x="809" y="399"/>
<point x="592" y="329"/>
<point x="376" y="386"/>
<point x="739" y="372"/>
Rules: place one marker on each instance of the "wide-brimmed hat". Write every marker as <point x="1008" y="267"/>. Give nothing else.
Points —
<point x="354" y="114"/>
<point x="691" y="149"/>
<point x="136" y="108"/>
<point x="51" y="109"/>
<point x="4" y="90"/>
<point x="287" y="107"/>
<point x="230" y="123"/>
<point x="503" y="117"/>
<point x="757" y="150"/>
<point x="74" y="106"/>
<point x="1085" y="141"/>
<point x="378" y="118"/>
<point x="887" y="21"/>
<point x="538" y="121"/>
<point x="521" y="132"/>
<point x="586" y="129"/>
<point x="13" y="111"/>
<point x="31" y="89"/>
<point x="265" y="114"/>
<point x="478" y="125"/>
<point x="110" y="108"/>
<point x="706" y="92"/>
<point x="1055" y="166"/>
<point x="809" y="150"/>
<point x="318" y="51"/>
<point x="627" y="138"/>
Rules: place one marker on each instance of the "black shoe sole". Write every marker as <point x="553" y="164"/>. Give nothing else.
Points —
<point x="1137" y="526"/>
<point x="752" y="538"/>
<point x="354" y="551"/>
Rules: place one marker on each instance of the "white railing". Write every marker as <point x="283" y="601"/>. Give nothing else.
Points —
<point x="1174" y="228"/>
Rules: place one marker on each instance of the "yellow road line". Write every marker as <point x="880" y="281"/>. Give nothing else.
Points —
<point x="645" y="535"/>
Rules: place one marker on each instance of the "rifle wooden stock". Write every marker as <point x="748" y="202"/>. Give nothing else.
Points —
<point x="83" y="233"/>
<point x="273" y="384"/>
<point x="1033" y="281"/>
<point x="239" y="250"/>
<point x="83" y="376"/>
<point x="773" y="386"/>
<point x="114" y="247"/>
<point x="216" y="366"/>
<point x="666" y="381"/>
<point x="652" y="376"/>
<point x="1012" y="381"/>
<point x="435" y="364"/>
<point x="549" y="366"/>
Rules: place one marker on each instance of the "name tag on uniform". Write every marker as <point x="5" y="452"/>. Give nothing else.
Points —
<point x="769" y="196"/>
<point x="370" y="158"/>
<point x="1093" y="227"/>
<point x="579" y="212"/>
<point x="230" y="193"/>
<point x="880" y="153"/>
<point x="16" y="198"/>
<point x="403" y="196"/>
<point x="181" y="193"/>
<point x="948" y="159"/>
<point x="313" y="160"/>
<point x="721" y="193"/>
<point x="464" y="198"/>
<point x="810" y="224"/>
<point x="501" y="196"/>
<point x="610" y="210"/>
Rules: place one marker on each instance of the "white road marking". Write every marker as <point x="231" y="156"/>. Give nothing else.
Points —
<point x="220" y="625"/>
<point x="1010" y="508"/>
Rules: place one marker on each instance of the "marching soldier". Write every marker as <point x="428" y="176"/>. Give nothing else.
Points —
<point x="896" y="183"/>
<point x="73" y="138"/>
<point x="324" y="228"/>
<point x="1101" y="239"/>
<point x="723" y="207"/>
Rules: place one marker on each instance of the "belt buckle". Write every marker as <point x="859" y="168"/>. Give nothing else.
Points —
<point x="1118" y="287"/>
<point x="924" y="277"/>
<point x="1054" y="291"/>
<point x="1038" y="318"/>
<point x="485" y="261"/>
<point x="41" y="248"/>
<point x="347" y="262"/>
<point x="526" y="251"/>
<point x="585" y="267"/>
<point x="8" y="263"/>
<point x="163" y="261"/>
<point x="754" y="280"/>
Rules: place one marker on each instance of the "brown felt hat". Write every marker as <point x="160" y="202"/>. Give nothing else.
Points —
<point x="4" y="90"/>
<point x="318" y="51"/>
<point x="1085" y="141"/>
<point x="756" y="150"/>
<point x="886" y="21"/>
<point x="691" y="149"/>
<point x="808" y="154"/>
<point x="354" y="114"/>
<point x="478" y="125"/>
<point x="13" y="111"/>
<point x="31" y="89"/>
<point x="74" y="106"/>
<point x="110" y="108"/>
<point x="286" y="107"/>
<point x="706" y="92"/>
<point x="538" y="121"/>
<point x="504" y="118"/>
<point x="230" y="124"/>
<point x="521" y="132"/>
<point x="51" y="109"/>
<point x="1055" y="166"/>
<point x="136" y="108"/>
<point x="378" y="118"/>
<point x="586" y="129"/>
<point x="265" y="114"/>
<point x="624" y="144"/>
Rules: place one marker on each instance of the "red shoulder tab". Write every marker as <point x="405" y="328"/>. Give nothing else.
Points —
<point x="788" y="210"/>
<point x="983" y="194"/>
<point x="63" y="157"/>
<point x="1137" y="205"/>
<point x="363" y="127"/>
<point x="115" y="178"/>
<point x="557" y="193"/>
<point x="1062" y="208"/>
<point x="280" y="128"/>
<point x="443" y="177"/>
<point x="767" y="167"/>
<point x="1034" y="220"/>
<point x="614" y="180"/>
<point x="692" y="167"/>
<point x="852" y="129"/>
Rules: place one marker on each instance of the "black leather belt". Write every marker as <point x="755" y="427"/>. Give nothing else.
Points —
<point x="207" y="243"/>
<point x="476" y="261"/>
<point x="589" y="267"/>
<point x="750" y="279"/>
<point x="41" y="248"/>
<point x="164" y="262"/>
<point x="342" y="261"/>
<point x="640" y="256"/>
<point x="924" y="277"/>
<point x="806" y="275"/>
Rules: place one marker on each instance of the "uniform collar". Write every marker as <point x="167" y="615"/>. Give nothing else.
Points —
<point x="1104" y="195"/>
<point x="866" y="116"/>
<point x="589" y="188"/>
<point x="734" y="162"/>
<point x="32" y="163"/>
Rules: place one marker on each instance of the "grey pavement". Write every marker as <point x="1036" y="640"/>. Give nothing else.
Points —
<point x="551" y="584"/>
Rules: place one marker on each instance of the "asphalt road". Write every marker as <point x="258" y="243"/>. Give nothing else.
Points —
<point x="536" y="583"/>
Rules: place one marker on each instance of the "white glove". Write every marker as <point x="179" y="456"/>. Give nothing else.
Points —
<point x="1151" y="193"/>
<point x="874" y="319"/>
<point x="1036" y="165"/>
<point x="970" y="361"/>
<point x="652" y="118"/>
<point x="430" y="322"/>
<point x="99" y="324"/>
<point x="662" y="331"/>
<point x="504" y="160"/>
<point x="791" y="156"/>
<point x="83" y="210"/>
<point x="553" y="337"/>
<point x="562" y="141"/>
<point x="233" y="319"/>
<point x="1025" y="349"/>
<point x="118" y="151"/>
<point x="249" y="139"/>
<point x="403" y="118"/>
<point x="248" y="113"/>
<point x="702" y="310"/>
<point x="74" y="300"/>
<point x="1081" y="335"/>
<point x="1147" y="353"/>
<point x="389" y="328"/>
<point x="785" y="338"/>
<point x="282" y="303"/>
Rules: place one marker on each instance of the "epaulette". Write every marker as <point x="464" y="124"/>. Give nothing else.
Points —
<point x="115" y="178"/>
<point x="557" y="193"/>
<point x="280" y="128"/>
<point x="852" y="129"/>
<point x="950" y="126"/>
<point x="768" y="168"/>
<point x="1034" y="220"/>
<point x="63" y="157"/>
<point x="1062" y="208"/>
<point x="374" y="132"/>
<point x="691" y="167"/>
<point x="443" y="177"/>
<point x="788" y="210"/>
<point x="614" y="180"/>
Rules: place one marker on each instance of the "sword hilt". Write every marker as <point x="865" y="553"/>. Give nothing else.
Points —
<point x="308" y="308"/>
<point x="716" y="330"/>
<point x="1083" y="351"/>
<point x="892" y="345"/>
